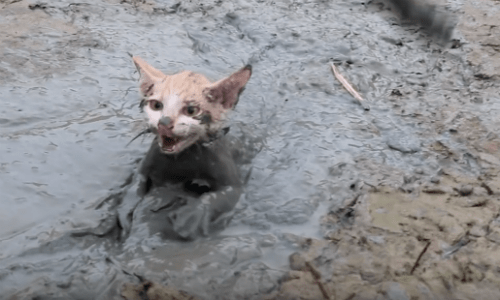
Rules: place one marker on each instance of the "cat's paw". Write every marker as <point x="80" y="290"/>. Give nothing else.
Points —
<point x="191" y="219"/>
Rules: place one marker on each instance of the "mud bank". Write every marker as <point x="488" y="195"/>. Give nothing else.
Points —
<point x="399" y="202"/>
<point x="437" y="242"/>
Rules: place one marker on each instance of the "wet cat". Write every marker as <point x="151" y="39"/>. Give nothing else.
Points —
<point x="188" y="168"/>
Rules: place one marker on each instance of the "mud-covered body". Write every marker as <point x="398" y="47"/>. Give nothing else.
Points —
<point x="183" y="196"/>
<point x="208" y="162"/>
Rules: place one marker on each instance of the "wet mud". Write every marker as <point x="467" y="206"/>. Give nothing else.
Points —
<point x="396" y="202"/>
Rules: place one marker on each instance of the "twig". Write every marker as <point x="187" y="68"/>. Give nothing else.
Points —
<point x="317" y="276"/>
<point x="348" y="87"/>
<point x="487" y="188"/>
<point x="419" y="257"/>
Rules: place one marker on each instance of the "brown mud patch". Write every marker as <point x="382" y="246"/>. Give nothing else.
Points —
<point x="480" y="26"/>
<point x="438" y="242"/>
<point x="152" y="291"/>
<point x="23" y="31"/>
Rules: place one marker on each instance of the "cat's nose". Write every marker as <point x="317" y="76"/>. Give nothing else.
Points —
<point x="165" y="121"/>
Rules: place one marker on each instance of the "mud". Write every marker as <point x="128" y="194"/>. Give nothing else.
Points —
<point x="398" y="202"/>
<point x="433" y="243"/>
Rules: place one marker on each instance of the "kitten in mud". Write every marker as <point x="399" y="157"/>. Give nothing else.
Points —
<point x="186" y="112"/>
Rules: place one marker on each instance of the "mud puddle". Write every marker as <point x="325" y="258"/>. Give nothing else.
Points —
<point x="352" y="192"/>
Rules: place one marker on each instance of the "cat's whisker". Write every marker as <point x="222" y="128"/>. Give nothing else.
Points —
<point x="147" y="130"/>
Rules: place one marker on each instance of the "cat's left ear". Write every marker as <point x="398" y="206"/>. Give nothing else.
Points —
<point x="227" y="90"/>
<point x="149" y="76"/>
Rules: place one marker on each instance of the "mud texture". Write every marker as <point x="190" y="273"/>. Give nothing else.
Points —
<point x="397" y="202"/>
<point x="439" y="242"/>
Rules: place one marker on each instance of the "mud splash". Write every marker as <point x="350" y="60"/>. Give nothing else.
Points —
<point x="347" y="192"/>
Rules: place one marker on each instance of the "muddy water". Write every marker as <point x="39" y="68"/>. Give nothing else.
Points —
<point x="70" y="106"/>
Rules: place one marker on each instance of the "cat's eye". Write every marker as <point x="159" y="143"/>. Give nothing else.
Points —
<point x="191" y="110"/>
<point x="155" y="105"/>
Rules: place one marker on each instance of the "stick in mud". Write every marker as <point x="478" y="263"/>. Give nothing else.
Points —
<point x="419" y="257"/>
<point x="349" y="87"/>
<point x="317" y="276"/>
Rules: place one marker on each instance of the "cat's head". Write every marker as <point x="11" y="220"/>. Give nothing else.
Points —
<point x="185" y="108"/>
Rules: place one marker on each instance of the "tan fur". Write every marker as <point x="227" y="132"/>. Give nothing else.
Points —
<point x="178" y="91"/>
<point x="189" y="87"/>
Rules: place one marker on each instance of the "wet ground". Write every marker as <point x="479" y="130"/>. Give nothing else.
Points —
<point x="398" y="202"/>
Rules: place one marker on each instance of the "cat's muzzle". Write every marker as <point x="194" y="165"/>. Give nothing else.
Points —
<point x="169" y="142"/>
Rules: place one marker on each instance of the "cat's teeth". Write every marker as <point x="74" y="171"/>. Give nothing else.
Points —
<point x="169" y="143"/>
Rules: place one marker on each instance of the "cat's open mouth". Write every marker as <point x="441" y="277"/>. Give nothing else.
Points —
<point x="170" y="144"/>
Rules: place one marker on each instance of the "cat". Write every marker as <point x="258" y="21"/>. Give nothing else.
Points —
<point x="186" y="113"/>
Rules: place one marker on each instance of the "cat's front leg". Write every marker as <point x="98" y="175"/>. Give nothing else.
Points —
<point x="132" y="197"/>
<point x="201" y="215"/>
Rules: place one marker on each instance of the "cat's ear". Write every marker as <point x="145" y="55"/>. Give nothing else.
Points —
<point x="227" y="90"/>
<point x="149" y="76"/>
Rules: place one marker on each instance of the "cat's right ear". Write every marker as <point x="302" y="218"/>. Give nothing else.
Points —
<point x="149" y="76"/>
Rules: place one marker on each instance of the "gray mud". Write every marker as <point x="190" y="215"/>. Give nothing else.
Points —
<point x="355" y="195"/>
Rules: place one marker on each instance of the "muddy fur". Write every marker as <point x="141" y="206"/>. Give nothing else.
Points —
<point x="188" y="182"/>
